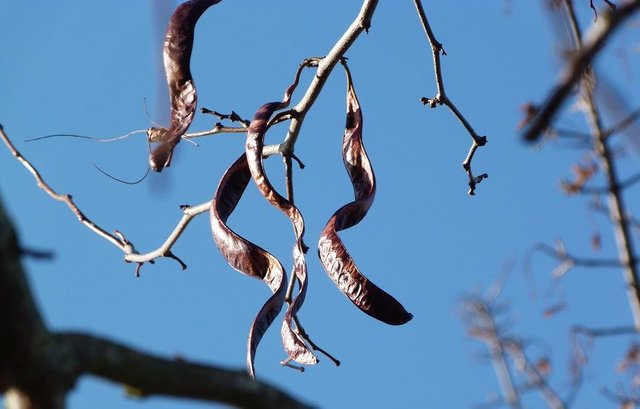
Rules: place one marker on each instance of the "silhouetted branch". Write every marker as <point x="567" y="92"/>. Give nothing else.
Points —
<point x="38" y="368"/>
<point x="145" y="375"/>
<point x="594" y="41"/>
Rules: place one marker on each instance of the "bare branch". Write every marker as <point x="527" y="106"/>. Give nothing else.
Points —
<point x="595" y="40"/>
<point x="622" y="125"/>
<point x="188" y="213"/>
<point x="119" y="242"/>
<point x="604" y="332"/>
<point x="537" y="380"/>
<point x="145" y="375"/>
<point x="361" y="23"/>
<point x="441" y="98"/>
<point x="568" y="261"/>
<point x="482" y="326"/>
<point x="40" y="367"/>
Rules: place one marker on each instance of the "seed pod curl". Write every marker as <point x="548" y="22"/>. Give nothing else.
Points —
<point x="245" y="256"/>
<point x="294" y="344"/>
<point x="334" y="256"/>
<point x="178" y="45"/>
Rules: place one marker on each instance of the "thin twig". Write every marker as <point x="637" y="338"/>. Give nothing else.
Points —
<point x="537" y="380"/>
<point x="441" y="98"/>
<point x="604" y="332"/>
<point x="622" y="125"/>
<point x="117" y="238"/>
<point x="483" y="324"/>
<point x="188" y="213"/>
<point x="119" y="242"/>
<point x="569" y="261"/>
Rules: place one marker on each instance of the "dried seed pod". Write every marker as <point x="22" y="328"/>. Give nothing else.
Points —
<point x="245" y="256"/>
<point x="334" y="256"/>
<point x="178" y="45"/>
<point x="294" y="344"/>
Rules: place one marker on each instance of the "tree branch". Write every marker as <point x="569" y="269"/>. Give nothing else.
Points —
<point x="145" y="375"/>
<point x="594" y="41"/>
<point x="118" y="241"/>
<point x="441" y="98"/>
<point x="38" y="368"/>
<point x="361" y="23"/>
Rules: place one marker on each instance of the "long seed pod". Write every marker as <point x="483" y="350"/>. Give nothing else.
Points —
<point x="245" y="256"/>
<point x="334" y="256"/>
<point x="293" y="343"/>
<point x="178" y="44"/>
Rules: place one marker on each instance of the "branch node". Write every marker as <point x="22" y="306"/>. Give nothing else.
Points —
<point x="298" y="161"/>
<point x="170" y="255"/>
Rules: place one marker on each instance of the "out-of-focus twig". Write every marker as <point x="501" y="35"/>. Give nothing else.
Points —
<point x="594" y="41"/>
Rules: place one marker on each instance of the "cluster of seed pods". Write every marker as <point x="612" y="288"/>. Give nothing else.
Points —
<point x="249" y="258"/>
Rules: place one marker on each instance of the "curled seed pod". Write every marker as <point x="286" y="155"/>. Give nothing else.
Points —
<point x="294" y="344"/>
<point x="245" y="256"/>
<point x="334" y="256"/>
<point x="178" y="44"/>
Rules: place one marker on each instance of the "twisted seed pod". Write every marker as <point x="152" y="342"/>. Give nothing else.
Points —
<point x="178" y="44"/>
<point x="334" y="256"/>
<point x="294" y="344"/>
<point x="245" y="256"/>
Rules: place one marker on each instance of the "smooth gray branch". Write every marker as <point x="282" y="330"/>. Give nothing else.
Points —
<point x="361" y="23"/>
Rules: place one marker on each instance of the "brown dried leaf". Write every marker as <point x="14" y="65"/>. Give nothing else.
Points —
<point x="336" y="260"/>
<point x="178" y="45"/>
<point x="583" y="173"/>
<point x="544" y="367"/>
<point x="632" y="357"/>
<point x="245" y="256"/>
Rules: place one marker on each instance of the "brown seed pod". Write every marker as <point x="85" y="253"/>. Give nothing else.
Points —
<point x="294" y="344"/>
<point x="178" y="45"/>
<point x="334" y="256"/>
<point x="245" y="256"/>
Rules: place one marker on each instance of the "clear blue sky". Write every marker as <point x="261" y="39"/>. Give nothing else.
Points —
<point x="86" y="67"/>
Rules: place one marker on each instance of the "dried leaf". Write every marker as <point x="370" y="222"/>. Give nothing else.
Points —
<point x="544" y="367"/>
<point x="245" y="256"/>
<point x="178" y="45"/>
<point x="632" y="358"/>
<point x="294" y="344"/>
<point x="336" y="260"/>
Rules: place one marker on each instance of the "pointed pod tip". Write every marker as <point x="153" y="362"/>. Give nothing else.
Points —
<point x="400" y="320"/>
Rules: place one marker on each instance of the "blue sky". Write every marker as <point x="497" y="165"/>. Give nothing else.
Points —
<point x="87" y="67"/>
